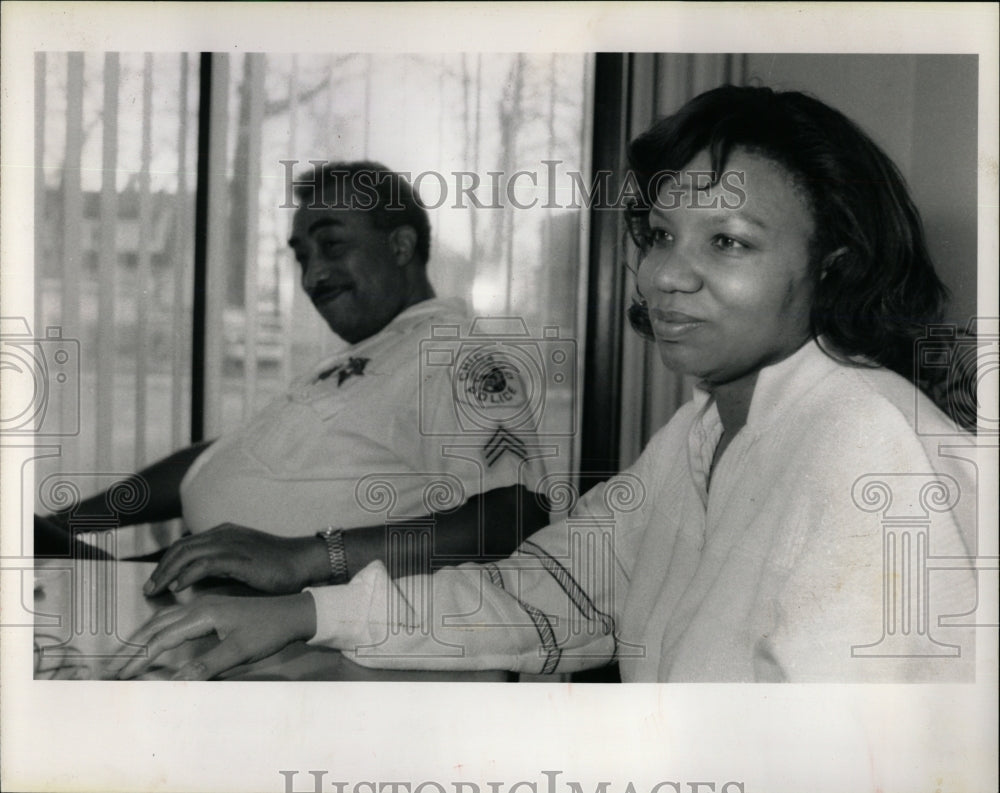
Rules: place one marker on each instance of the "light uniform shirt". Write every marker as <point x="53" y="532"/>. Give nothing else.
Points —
<point x="787" y="565"/>
<point x="382" y="430"/>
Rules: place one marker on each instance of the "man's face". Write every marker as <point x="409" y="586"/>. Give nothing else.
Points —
<point x="349" y="270"/>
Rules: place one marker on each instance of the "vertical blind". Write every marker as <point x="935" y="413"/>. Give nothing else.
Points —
<point x="117" y="169"/>
<point x="113" y="242"/>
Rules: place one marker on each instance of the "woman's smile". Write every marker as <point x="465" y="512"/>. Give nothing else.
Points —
<point x="673" y="325"/>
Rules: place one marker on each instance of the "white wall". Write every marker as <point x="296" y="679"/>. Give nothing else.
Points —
<point x="922" y="110"/>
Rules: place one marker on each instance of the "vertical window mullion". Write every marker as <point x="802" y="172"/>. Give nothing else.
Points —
<point x="217" y="236"/>
<point x="40" y="188"/>
<point x="107" y="267"/>
<point x="286" y="294"/>
<point x="250" y="266"/>
<point x="211" y="222"/>
<point x="181" y="230"/>
<point x="599" y="452"/>
<point x="72" y="226"/>
<point x="144" y="275"/>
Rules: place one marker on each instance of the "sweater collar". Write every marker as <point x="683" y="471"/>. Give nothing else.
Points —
<point x="780" y="385"/>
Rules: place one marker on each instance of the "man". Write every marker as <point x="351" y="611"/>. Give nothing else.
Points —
<point x="367" y="435"/>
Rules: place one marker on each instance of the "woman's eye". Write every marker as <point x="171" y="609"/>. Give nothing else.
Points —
<point x="659" y="237"/>
<point x="724" y="243"/>
<point x="654" y="238"/>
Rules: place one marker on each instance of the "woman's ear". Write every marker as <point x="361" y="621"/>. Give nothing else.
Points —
<point x="403" y="240"/>
<point x="830" y="261"/>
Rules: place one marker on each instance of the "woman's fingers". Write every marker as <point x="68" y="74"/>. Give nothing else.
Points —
<point x="135" y="646"/>
<point x="229" y="653"/>
<point x="166" y="634"/>
<point x="249" y="629"/>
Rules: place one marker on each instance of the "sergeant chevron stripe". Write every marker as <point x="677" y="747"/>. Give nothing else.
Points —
<point x="504" y="441"/>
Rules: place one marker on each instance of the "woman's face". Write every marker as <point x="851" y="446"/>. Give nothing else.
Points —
<point x="725" y="272"/>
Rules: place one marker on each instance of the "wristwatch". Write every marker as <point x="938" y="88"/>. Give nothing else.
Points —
<point x="334" y="539"/>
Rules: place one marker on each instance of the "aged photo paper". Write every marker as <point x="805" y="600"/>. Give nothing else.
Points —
<point x="507" y="737"/>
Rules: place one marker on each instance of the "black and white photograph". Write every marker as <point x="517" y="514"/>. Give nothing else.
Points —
<point x="387" y="389"/>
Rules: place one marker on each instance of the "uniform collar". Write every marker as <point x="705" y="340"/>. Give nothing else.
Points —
<point x="414" y="315"/>
<point x="400" y="325"/>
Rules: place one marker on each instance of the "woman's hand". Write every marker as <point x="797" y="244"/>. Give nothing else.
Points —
<point x="250" y="628"/>
<point x="279" y="565"/>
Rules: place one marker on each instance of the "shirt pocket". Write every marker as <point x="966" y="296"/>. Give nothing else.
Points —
<point x="299" y="441"/>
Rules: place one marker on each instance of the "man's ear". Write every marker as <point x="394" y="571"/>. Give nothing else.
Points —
<point x="403" y="241"/>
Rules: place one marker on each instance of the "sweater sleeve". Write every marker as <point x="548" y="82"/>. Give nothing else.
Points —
<point x="550" y="607"/>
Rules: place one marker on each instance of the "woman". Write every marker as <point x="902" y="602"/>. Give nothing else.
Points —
<point x="782" y="263"/>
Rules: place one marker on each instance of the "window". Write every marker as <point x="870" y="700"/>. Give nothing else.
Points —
<point x="115" y="237"/>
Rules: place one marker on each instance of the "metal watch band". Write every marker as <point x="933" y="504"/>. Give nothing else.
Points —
<point x="334" y="539"/>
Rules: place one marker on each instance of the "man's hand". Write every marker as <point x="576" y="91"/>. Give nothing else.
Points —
<point x="271" y="564"/>
<point x="250" y="628"/>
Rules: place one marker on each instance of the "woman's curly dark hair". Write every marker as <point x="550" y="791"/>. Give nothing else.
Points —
<point x="875" y="288"/>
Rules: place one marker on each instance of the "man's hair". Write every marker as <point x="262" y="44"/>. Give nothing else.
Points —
<point x="366" y="186"/>
<point x="876" y="297"/>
